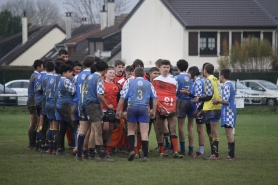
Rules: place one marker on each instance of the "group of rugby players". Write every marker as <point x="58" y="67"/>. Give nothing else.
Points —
<point x="107" y="109"/>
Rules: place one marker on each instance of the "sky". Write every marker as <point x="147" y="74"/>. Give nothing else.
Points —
<point x="132" y="3"/>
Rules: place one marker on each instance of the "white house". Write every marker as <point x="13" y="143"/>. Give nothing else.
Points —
<point x="194" y="29"/>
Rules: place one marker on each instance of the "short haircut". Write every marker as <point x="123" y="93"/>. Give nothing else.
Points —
<point x="128" y="69"/>
<point x="139" y="72"/>
<point x="70" y="62"/>
<point x="165" y="62"/>
<point x="205" y="65"/>
<point x="153" y="69"/>
<point x="182" y="65"/>
<point x="49" y="66"/>
<point x="45" y="61"/>
<point x="158" y="62"/>
<point x="58" y="63"/>
<point x="119" y="62"/>
<point x="77" y="63"/>
<point x="97" y="59"/>
<point x="65" y="68"/>
<point x="209" y="68"/>
<point x="93" y="68"/>
<point x="37" y="63"/>
<point x="137" y="63"/>
<point x="100" y="66"/>
<point x="63" y="51"/>
<point x="88" y="61"/>
<point x="225" y="73"/>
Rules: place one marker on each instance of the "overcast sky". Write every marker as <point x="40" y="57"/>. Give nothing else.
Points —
<point x="132" y="3"/>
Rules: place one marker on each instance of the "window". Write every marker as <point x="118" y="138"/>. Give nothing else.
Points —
<point x="15" y="85"/>
<point x="254" y="86"/>
<point x="208" y="43"/>
<point x="25" y="84"/>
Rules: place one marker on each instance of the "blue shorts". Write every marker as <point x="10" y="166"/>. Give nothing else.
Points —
<point x="50" y="111"/>
<point x="185" y="107"/>
<point x="65" y="114"/>
<point x="211" y="116"/>
<point x="138" y="114"/>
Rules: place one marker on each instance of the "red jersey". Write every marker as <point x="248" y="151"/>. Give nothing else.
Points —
<point x="165" y="88"/>
<point x="111" y="91"/>
<point x="119" y="79"/>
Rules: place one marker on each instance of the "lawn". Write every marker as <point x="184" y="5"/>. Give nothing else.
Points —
<point x="256" y="163"/>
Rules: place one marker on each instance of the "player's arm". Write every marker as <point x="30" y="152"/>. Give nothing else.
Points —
<point x="208" y="93"/>
<point x="122" y="101"/>
<point x="154" y="102"/>
<point x="100" y="94"/>
<point x="70" y="87"/>
<point x="225" y="96"/>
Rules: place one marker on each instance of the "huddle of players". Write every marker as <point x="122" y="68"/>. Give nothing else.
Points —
<point x="165" y="99"/>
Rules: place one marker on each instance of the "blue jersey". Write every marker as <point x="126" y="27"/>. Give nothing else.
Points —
<point x="138" y="92"/>
<point x="66" y="90"/>
<point x="31" y="90"/>
<point x="92" y="86"/>
<point x="228" y="111"/>
<point x="184" y="82"/>
<point x="44" y="82"/>
<point x="198" y="88"/>
<point x="50" y="89"/>
<point x="38" y="87"/>
<point x="79" y="82"/>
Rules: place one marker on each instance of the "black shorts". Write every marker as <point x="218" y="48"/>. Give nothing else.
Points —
<point x="106" y="120"/>
<point x="93" y="112"/>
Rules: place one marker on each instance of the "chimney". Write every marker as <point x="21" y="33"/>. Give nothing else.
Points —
<point x="24" y="28"/>
<point x="111" y="13"/>
<point x="68" y="25"/>
<point x="103" y="18"/>
<point x="84" y="20"/>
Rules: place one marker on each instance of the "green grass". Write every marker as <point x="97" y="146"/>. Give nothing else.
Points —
<point x="256" y="163"/>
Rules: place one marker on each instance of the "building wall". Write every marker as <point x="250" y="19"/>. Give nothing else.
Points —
<point x="39" y="49"/>
<point x="200" y="60"/>
<point x="152" y="33"/>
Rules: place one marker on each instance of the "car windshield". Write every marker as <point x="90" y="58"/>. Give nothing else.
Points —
<point x="269" y="85"/>
<point x="239" y="85"/>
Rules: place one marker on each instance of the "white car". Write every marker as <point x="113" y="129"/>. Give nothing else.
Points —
<point x="21" y="87"/>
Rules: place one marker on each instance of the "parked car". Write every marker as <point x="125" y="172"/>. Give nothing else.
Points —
<point x="12" y="100"/>
<point x="243" y="90"/>
<point x="264" y="88"/>
<point x="21" y="87"/>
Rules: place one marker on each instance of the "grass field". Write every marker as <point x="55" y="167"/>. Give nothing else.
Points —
<point x="256" y="151"/>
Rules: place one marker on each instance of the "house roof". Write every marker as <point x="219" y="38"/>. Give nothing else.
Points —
<point x="78" y="35"/>
<point x="270" y="7"/>
<point x="19" y="35"/>
<point x="221" y="13"/>
<point x="106" y="32"/>
<point x="32" y="39"/>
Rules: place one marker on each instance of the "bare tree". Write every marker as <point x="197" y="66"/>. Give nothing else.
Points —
<point x="39" y="12"/>
<point x="91" y="9"/>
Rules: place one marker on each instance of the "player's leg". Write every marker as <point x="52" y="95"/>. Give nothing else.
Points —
<point x="144" y="119"/>
<point x="181" y="112"/>
<point x="174" y="138"/>
<point x="201" y="138"/>
<point x="231" y="142"/>
<point x="159" y="122"/>
<point x="32" y="127"/>
<point x="190" y="135"/>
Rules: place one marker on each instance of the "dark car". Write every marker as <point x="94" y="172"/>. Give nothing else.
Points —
<point x="11" y="100"/>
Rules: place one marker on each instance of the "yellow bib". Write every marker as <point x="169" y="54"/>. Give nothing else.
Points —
<point x="208" y="105"/>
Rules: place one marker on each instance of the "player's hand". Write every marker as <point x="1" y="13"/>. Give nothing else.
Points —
<point x="118" y="114"/>
<point x="200" y="114"/>
<point x="196" y="100"/>
<point x="184" y="91"/>
<point x="124" y="114"/>
<point x="195" y="112"/>
<point x="152" y="114"/>
<point x="110" y="106"/>
<point x="163" y="111"/>
<point x="215" y="101"/>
